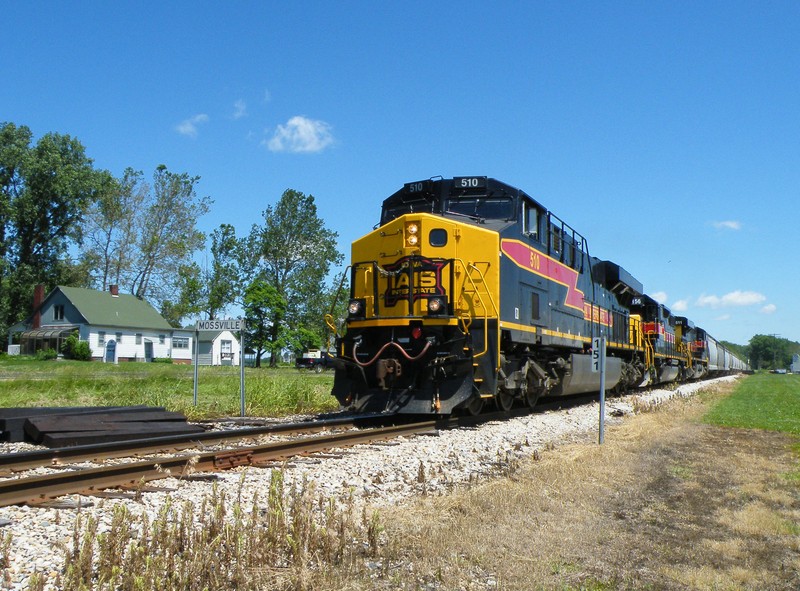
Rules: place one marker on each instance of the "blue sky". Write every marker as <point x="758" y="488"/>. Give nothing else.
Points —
<point x="667" y="133"/>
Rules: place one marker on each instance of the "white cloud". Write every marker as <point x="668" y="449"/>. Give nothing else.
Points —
<point x="728" y="225"/>
<point x="301" y="134"/>
<point x="769" y="309"/>
<point x="188" y="127"/>
<point x="680" y="306"/>
<point x="711" y="301"/>
<point x="239" y="109"/>
<point x="659" y="296"/>
<point x="734" y="298"/>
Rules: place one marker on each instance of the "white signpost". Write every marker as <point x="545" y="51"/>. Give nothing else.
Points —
<point x="232" y="324"/>
<point x="599" y="365"/>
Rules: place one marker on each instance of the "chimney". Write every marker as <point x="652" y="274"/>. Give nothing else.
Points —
<point x="38" y="298"/>
<point x="114" y="289"/>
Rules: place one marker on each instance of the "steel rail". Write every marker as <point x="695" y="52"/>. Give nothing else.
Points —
<point x="28" y="460"/>
<point x="39" y="489"/>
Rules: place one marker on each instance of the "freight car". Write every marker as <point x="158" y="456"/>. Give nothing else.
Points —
<point x="470" y="291"/>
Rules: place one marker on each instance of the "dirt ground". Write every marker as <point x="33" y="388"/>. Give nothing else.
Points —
<point x="666" y="503"/>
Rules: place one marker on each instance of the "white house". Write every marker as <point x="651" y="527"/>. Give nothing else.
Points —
<point x="118" y="327"/>
<point x="218" y="347"/>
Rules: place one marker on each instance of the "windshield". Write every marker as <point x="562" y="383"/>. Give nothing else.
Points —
<point x="395" y="210"/>
<point x="487" y="208"/>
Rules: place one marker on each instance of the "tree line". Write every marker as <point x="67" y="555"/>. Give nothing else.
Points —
<point x="64" y="222"/>
<point x="766" y="351"/>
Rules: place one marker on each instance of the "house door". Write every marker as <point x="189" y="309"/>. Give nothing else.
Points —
<point x="111" y="352"/>
<point x="148" y="351"/>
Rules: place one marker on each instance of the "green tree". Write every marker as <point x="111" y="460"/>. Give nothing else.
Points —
<point x="45" y="191"/>
<point x="110" y="227"/>
<point x="263" y="306"/>
<point x="142" y="236"/>
<point x="769" y="352"/>
<point x="293" y="252"/>
<point x="167" y="234"/>
<point x="224" y="279"/>
<point x="192" y="292"/>
<point x="212" y="289"/>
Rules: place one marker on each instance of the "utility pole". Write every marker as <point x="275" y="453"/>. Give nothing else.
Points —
<point x="775" y="351"/>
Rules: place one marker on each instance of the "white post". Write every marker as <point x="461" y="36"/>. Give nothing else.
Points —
<point x="599" y="364"/>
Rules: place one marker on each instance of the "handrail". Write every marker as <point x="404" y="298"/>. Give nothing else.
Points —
<point x="468" y="277"/>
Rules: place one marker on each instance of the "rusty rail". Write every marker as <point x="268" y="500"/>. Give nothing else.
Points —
<point x="39" y="489"/>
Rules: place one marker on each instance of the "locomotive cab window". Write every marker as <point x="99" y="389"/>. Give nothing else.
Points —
<point x="438" y="237"/>
<point x="482" y="208"/>
<point x="530" y="220"/>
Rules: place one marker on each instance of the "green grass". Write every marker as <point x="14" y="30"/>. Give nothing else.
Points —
<point x="761" y="401"/>
<point x="268" y="392"/>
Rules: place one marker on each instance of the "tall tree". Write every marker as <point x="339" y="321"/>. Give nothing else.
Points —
<point x="293" y="252"/>
<point x="211" y="289"/>
<point x="224" y="279"/>
<point x="167" y="233"/>
<point x="142" y="236"/>
<point x="769" y="352"/>
<point x="45" y="190"/>
<point x="262" y="305"/>
<point x="192" y="294"/>
<point x="110" y="227"/>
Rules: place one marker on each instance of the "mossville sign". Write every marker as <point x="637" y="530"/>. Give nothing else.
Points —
<point x="221" y="324"/>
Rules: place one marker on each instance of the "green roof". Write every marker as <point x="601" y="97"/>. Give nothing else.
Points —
<point x="100" y="308"/>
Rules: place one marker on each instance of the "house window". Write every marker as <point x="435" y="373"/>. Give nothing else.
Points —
<point x="180" y="342"/>
<point x="162" y="339"/>
<point x="226" y="350"/>
<point x="58" y="312"/>
<point x="119" y="337"/>
<point x="101" y="338"/>
<point x="138" y="338"/>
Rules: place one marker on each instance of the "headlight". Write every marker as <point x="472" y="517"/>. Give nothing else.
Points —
<point x="354" y="307"/>
<point x="435" y="305"/>
<point x="412" y="234"/>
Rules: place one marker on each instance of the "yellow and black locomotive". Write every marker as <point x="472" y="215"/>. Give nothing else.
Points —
<point x="469" y="290"/>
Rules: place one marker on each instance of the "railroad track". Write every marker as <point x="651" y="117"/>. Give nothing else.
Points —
<point x="57" y="457"/>
<point x="132" y="475"/>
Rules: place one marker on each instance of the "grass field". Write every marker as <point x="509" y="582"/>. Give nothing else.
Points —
<point x="762" y="401"/>
<point x="268" y="392"/>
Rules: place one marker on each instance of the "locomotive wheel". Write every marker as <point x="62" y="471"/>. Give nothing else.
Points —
<point x="504" y="400"/>
<point x="531" y="398"/>
<point x="475" y="406"/>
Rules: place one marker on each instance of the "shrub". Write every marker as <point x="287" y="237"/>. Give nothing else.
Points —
<point x="167" y="360"/>
<point x="74" y="348"/>
<point x="46" y="354"/>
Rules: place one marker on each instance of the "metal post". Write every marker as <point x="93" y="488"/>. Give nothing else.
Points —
<point x="241" y="365"/>
<point x="196" y="356"/>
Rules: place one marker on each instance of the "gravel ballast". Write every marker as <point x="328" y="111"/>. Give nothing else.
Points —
<point x="378" y="475"/>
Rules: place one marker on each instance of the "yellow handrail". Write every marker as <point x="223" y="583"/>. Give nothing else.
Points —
<point x="468" y="278"/>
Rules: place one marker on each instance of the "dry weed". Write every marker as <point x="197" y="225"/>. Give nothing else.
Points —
<point x="642" y="511"/>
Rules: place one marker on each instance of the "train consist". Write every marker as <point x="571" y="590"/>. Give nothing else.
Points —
<point x="470" y="291"/>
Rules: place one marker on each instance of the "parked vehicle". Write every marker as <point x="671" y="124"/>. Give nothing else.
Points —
<point x="313" y="359"/>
